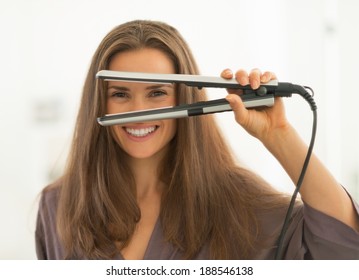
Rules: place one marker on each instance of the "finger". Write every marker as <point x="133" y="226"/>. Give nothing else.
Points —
<point x="242" y="77"/>
<point x="227" y="74"/>
<point x="238" y="107"/>
<point x="268" y="76"/>
<point x="255" y="78"/>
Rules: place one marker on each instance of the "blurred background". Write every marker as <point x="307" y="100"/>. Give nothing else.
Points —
<point x="46" y="48"/>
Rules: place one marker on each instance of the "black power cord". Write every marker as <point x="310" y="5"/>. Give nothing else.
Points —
<point x="309" y="98"/>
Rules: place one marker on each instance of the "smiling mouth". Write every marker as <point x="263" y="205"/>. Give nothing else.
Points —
<point x="141" y="132"/>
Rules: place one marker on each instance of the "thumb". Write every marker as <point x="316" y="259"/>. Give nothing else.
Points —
<point x="238" y="107"/>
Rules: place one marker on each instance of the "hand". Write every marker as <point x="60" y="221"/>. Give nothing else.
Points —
<point x="320" y="190"/>
<point x="262" y="123"/>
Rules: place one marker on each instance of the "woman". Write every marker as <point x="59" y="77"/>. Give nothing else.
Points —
<point x="171" y="189"/>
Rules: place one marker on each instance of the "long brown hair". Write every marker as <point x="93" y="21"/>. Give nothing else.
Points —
<point x="208" y="200"/>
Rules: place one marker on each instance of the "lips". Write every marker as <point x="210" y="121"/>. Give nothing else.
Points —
<point x="140" y="132"/>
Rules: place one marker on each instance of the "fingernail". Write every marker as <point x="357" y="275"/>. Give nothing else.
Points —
<point x="229" y="98"/>
<point x="255" y="85"/>
<point x="228" y="73"/>
<point x="243" y="81"/>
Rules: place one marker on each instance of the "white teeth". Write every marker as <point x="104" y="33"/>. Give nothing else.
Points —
<point x="140" y="132"/>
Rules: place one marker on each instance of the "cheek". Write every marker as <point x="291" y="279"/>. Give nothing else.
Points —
<point x="172" y="127"/>
<point x="115" y="133"/>
<point x="113" y="108"/>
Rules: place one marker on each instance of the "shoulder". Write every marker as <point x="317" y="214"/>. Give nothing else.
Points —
<point x="47" y="241"/>
<point x="271" y="219"/>
<point x="48" y="204"/>
<point x="49" y="197"/>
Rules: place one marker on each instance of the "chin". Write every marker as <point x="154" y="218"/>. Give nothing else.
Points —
<point x="144" y="154"/>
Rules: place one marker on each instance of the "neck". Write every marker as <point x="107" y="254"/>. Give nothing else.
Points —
<point x="145" y="172"/>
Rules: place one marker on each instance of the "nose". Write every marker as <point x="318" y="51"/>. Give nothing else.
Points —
<point x="138" y="103"/>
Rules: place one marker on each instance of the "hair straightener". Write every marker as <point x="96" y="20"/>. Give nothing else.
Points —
<point x="263" y="96"/>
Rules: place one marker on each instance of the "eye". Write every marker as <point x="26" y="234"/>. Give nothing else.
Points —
<point x="157" y="93"/>
<point x="119" y="94"/>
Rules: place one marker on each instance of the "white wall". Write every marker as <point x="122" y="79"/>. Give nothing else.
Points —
<point x="46" y="47"/>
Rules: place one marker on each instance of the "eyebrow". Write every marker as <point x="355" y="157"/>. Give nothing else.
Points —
<point x="156" y="86"/>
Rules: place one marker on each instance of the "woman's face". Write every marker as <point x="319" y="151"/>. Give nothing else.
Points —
<point x="145" y="139"/>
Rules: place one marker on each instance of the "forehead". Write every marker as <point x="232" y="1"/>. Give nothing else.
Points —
<point x="145" y="60"/>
